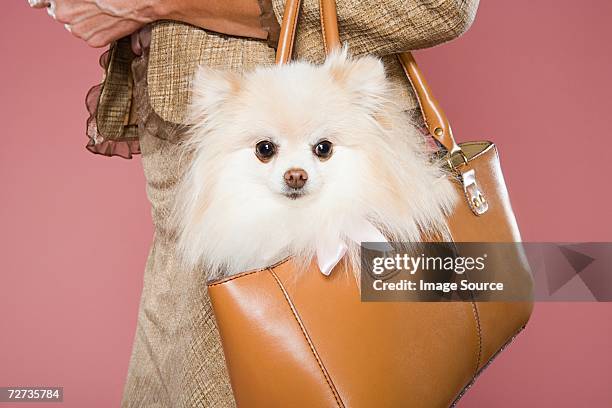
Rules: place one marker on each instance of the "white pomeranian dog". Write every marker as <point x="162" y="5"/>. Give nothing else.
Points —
<point x="302" y="160"/>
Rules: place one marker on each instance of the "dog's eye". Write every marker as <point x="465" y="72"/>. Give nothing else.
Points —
<point x="264" y="150"/>
<point x="323" y="149"/>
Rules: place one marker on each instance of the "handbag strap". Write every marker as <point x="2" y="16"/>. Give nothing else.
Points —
<point x="434" y="117"/>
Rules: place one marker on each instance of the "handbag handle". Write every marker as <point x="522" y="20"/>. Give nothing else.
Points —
<point x="434" y="117"/>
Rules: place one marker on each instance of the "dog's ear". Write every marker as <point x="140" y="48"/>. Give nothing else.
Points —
<point x="363" y="78"/>
<point x="211" y="88"/>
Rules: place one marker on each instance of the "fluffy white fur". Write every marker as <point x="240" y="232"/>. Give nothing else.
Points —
<point x="232" y="214"/>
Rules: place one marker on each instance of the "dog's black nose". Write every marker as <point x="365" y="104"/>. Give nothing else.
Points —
<point x="296" y="178"/>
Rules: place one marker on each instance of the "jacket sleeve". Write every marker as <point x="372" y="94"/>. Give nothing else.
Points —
<point x="392" y="26"/>
<point x="384" y="27"/>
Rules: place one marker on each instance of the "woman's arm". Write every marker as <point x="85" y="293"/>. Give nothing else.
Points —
<point x="235" y="17"/>
<point x="402" y="25"/>
<point x="384" y="27"/>
<point x="103" y="21"/>
<point x="376" y="26"/>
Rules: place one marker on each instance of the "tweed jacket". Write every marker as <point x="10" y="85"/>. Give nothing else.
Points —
<point x="378" y="27"/>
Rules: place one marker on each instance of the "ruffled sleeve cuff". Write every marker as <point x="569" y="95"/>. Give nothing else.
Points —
<point x="109" y="126"/>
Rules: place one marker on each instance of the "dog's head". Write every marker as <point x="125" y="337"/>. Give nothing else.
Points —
<point x="286" y="157"/>
<point x="291" y="128"/>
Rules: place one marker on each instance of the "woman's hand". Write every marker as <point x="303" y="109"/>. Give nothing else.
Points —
<point x="100" y="22"/>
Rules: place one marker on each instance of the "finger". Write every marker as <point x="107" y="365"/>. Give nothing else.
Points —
<point x="101" y="30"/>
<point x="51" y="9"/>
<point x="135" y="42"/>
<point x="122" y="29"/>
<point x="141" y="39"/>
<point x="38" y="3"/>
<point x="90" y="27"/>
<point x="71" y="13"/>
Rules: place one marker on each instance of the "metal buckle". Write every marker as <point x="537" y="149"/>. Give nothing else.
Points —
<point x="449" y="159"/>
<point x="475" y="198"/>
<point x="473" y="194"/>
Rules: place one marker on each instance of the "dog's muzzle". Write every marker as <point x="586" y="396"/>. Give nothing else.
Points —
<point x="294" y="194"/>
<point x="295" y="180"/>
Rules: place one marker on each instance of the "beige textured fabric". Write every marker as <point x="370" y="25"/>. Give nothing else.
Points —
<point x="368" y="26"/>
<point x="116" y="88"/>
<point x="171" y="67"/>
<point x="177" y="359"/>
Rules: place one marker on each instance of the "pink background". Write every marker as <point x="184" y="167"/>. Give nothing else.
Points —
<point x="532" y="76"/>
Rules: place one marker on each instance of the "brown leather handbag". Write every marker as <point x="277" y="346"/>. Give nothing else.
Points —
<point x="307" y="340"/>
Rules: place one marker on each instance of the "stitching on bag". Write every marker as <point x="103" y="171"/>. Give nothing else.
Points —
<point x="416" y="94"/>
<point x="479" y="331"/>
<point x="235" y="277"/>
<point x="323" y="26"/>
<point x="493" y="357"/>
<point x="310" y="344"/>
<point x="240" y="275"/>
<point x="293" y="29"/>
<point x="478" y="325"/>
